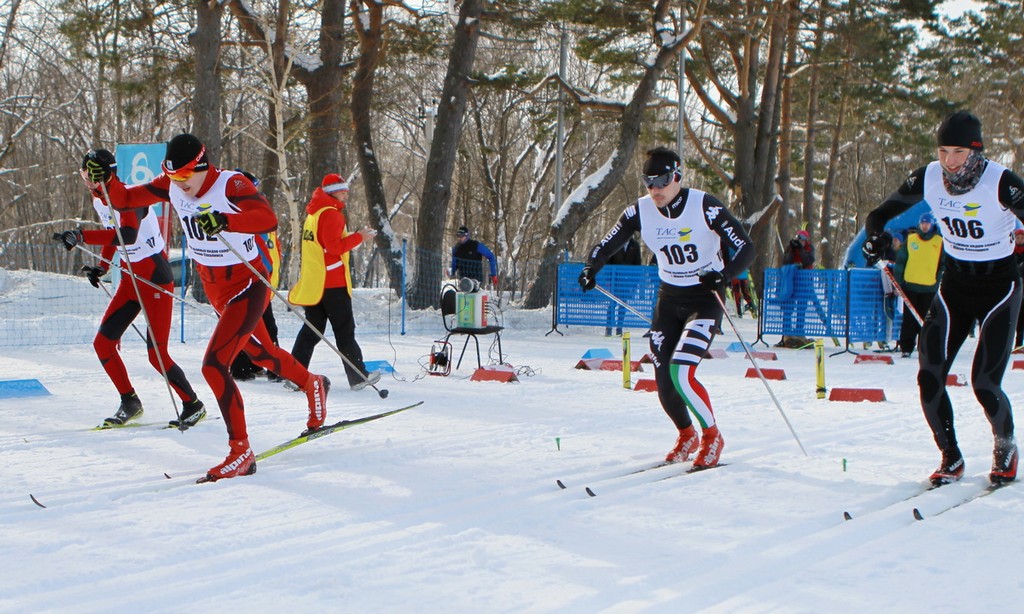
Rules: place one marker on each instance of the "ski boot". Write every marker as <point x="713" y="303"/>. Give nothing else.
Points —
<point x="130" y="409"/>
<point x="687" y="442"/>
<point x="951" y="469"/>
<point x="711" y="444"/>
<point x="316" y="393"/>
<point x="191" y="413"/>
<point x="1004" y="461"/>
<point x="239" y="461"/>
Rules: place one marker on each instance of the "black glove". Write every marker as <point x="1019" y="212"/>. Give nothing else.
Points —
<point x="795" y="244"/>
<point x="93" y="274"/>
<point x="96" y="168"/>
<point x="69" y="238"/>
<point x="712" y="280"/>
<point x="587" y="279"/>
<point x="212" y="222"/>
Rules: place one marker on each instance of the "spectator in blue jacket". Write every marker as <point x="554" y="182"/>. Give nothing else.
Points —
<point x="467" y="258"/>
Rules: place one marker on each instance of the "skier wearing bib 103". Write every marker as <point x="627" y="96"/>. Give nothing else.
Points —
<point x="219" y="209"/>
<point x="976" y="201"/>
<point x="685" y="229"/>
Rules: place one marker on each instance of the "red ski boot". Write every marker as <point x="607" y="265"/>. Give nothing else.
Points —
<point x="316" y="392"/>
<point x="951" y="469"/>
<point x="1004" y="462"/>
<point x="685" y="445"/>
<point x="710" y="448"/>
<point x="240" y="461"/>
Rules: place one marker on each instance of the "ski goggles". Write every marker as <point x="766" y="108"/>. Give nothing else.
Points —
<point x="658" y="181"/>
<point x="185" y="172"/>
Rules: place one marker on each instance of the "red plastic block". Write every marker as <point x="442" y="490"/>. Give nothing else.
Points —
<point x="855" y="395"/>
<point x="495" y="373"/>
<point x="647" y="359"/>
<point x="767" y="373"/>
<point x="765" y="355"/>
<point x="1018" y="364"/>
<point x="956" y="380"/>
<point x="590" y="364"/>
<point x="716" y="353"/>
<point x="646" y="385"/>
<point x="616" y="365"/>
<point x="884" y="358"/>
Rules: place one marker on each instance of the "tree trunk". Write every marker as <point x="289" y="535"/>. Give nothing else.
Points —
<point x="443" y="150"/>
<point x="206" y="100"/>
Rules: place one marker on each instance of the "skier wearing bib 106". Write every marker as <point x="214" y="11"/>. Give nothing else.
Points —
<point x="685" y="229"/>
<point x="975" y="201"/>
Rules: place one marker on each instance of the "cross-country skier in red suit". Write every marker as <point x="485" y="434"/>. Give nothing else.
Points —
<point x="219" y="207"/>
<point x="144" y="246"/>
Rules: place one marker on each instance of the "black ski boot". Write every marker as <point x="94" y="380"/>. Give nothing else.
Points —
<point x="1004" y="461"/>
<point x="130" y="409"/>
<point x="951" y="469"/>
<point x="191" y="414"/>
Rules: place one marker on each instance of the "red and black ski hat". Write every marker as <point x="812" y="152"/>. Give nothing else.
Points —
<point x="961" y="129"/>
<point x="185" y="156"/>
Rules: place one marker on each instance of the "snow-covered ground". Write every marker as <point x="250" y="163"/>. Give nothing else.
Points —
<point x="454" y="507"/>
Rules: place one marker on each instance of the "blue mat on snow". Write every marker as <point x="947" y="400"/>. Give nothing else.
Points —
<point x="17" y="388"/>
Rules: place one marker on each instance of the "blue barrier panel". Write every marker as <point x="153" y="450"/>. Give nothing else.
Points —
<point x="17" y="388"/>
<point x="378" y="365"/>
<point x="637" y="286"/>
<point x="873" y="316"/>
<point x="805" y="303"/>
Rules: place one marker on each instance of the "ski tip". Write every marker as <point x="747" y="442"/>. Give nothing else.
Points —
<point x="36" y="501"/>
<point x="166" y="475"/>
<point x="560" y="484"/>
<point x="590" y="492"/>
<point x="847" y="516"/>
<point x="917" y="514"/>
<point x="206" y="478"/>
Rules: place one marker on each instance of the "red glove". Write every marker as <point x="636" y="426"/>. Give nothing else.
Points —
<point x="494" y="280"/>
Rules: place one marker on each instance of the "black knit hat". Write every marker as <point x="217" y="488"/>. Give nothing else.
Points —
<point x="183" y="150"/>
<point x="103" y="156"/>
<point x="463" y="231"/>
<point x="961" y="129"/>
<point x="660" y="160"/>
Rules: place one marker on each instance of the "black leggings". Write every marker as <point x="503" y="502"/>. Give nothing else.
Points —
<point x="336" y="306"/>
<point x="963" y="299"/>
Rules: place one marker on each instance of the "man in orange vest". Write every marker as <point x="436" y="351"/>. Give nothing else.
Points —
<point x="324" y="287"/>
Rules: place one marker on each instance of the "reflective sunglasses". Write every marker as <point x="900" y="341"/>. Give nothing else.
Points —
<point x="658" y="181"/>
<point x="184" y="173"/>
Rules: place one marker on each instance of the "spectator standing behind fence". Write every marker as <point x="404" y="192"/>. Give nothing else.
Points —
<point x="685" y="229"/>
<point x="918" y="270"/>
<point x="977" y="201"/>
<point x="628" y="255"/>
<point x="799" y="253"/>
<point x="144" y="246"/>
<point x="324" y="286"/>
<point x="466" y="258"/>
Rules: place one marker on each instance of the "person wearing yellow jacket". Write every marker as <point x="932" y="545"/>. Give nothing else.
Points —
<point x="324" y="287"/>
<point x="918" y="270"/>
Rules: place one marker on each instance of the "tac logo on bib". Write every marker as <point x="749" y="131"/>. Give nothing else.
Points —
<point x="685" y="235"/>
<point x="971" y="209"/>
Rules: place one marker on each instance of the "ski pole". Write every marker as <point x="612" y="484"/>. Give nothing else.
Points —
<point x="757" y="369"/>
<point x="383" y="393"/>
<point x="111" y="297"/>
<point x="152" y="285"/>
<point x="623" y="303"/>
<point x="903" y="295"/>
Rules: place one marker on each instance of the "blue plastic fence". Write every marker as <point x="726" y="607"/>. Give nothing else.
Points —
<point x="637" y="286"/>
<point x="848" y="304"/>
